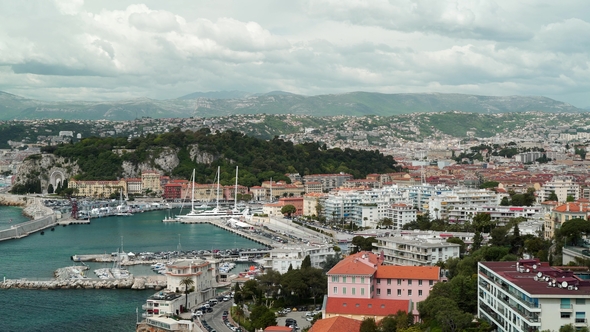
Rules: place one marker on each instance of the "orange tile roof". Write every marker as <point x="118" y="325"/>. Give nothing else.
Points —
<point x="365" y="307"/>
<point x="572" y="207"/>
<point x="357" y="265"/>
<point x="277" y="328"/>
<point x="336" y="324"/>
<point x="408" y="272"/>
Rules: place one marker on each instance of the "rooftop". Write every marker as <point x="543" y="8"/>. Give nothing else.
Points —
<point x="534" y="278"/>
<point x="408" y="272"/>
<point x="336" y="324"/>
<point x="365" y="307"/>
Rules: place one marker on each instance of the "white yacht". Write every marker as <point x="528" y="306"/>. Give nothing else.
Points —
<point x="209" y="214"/>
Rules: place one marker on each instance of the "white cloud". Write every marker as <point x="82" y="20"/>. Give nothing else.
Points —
<point x="159" y="49"/>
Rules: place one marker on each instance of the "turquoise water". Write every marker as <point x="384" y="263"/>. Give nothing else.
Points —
<point x="10" y="215"/>
<point x="37" y="256"/>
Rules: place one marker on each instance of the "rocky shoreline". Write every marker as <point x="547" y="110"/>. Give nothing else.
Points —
<point x="138" y="283"/>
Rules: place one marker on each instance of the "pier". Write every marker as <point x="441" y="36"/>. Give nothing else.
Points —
<point x="21" y="230"/>
<point x="220" y="223"/>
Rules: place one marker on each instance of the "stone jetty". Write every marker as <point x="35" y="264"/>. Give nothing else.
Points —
<point x="129" y="283"/>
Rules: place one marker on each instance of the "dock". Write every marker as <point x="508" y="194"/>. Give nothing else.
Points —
<point x="74" y="222"/>
<point x="220" y="223"/>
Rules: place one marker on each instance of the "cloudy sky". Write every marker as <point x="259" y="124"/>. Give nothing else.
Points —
<point x="119" y="49"/>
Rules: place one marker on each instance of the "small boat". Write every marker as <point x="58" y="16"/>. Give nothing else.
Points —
<point x="169" y="218"/>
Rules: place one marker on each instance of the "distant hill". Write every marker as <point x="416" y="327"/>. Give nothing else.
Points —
<point x="277" y="102"/>
<point x="217" y="95"/>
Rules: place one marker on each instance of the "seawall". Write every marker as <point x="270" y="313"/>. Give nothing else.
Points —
<point x="129" y="283"/>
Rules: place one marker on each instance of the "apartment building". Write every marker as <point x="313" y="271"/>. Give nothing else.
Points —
<point x="401" y="214"/>
<point x="499" y="214"/>
<point x="563" y="213"/>
<point x="279" y="259"/>
<point x="98" y="189"/>
<point x="150" y="180"/>
<point x="529" y="295"/>
<point x="409" y="250"/>
<point x="328" y="181"/>
<point x="563" y="186"/>
<point x="440" y="205"/>
<point x="311" y="201"/>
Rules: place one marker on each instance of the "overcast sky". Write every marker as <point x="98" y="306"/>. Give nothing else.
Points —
<point x="119" y="49"/>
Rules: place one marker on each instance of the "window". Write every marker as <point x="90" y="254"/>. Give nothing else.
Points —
<point x="399" y="292"/>
<point x="378" y="281"/>
<point x="389" y="281"/>
<point x="419" y="282"/>
<point x="344" y="280"/>
<point x="362" y="280"/>
<point x="565" y="304"/>
<point x="388" y="292"/>
<point x="419" y="292"/>
<point x="565" y="315"/>
<point x="353" y="291"/>
<point x="580" y="317"/>
<point x="343" y="290"/>
<point x="335" y="290"/>
<point x="409" y="282"/>
<point x="334" y="279"/>
<point x="409" y="292"/>
<point x="580" y="301"/>
<point x="353" y="280"/>
<point x="430" y="282"/>
<point x="378" y="291"/>
<point x="363" y="291"/>
<point x="399" y="281"/>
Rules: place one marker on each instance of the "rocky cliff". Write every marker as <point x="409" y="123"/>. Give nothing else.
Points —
<point x="47" y="168"/>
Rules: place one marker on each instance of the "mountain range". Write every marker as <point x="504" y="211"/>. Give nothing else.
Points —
<point x="223" y="103"/>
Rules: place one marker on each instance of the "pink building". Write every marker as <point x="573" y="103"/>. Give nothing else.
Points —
<point x="362" y="276"/>
<point x="405" y="282"/>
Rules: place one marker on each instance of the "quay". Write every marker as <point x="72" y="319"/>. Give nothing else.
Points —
<point x="220" y="224"/>
<point x="152" y="282"/>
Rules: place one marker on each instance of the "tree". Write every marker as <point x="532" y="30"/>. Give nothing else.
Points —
<point x="261" y="317"/>
<point x="386" y="222"/>
<point x="288" y="210"/>
<point x="306" y="262"/>
<point x="368" y="325"/>
<point x="331" y="261"/>
<point x="50" y="189"/>
<point x="570" y="198"/>
<point x="459" y="242"/>
<point x="186" y="282"/>
<point x="477" y="240"/>
<point x="552" y="196"/>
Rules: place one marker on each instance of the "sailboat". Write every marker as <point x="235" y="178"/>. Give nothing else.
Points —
<point x="122" y="209"/>
<point x="169" y="218"/>
<point x="210" y="214"/>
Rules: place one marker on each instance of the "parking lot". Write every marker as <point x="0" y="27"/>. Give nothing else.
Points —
<point x="298" y="316"/>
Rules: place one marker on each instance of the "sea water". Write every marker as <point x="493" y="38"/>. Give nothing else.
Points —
<point x="38" y="256"/>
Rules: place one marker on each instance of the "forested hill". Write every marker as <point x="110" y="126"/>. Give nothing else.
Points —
<point x="178" y="152"/>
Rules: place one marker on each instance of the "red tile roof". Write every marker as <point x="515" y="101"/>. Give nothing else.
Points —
<point x="362" y="263"/>
<point x="572" y="207"/>
<point x="278" y="329"/>
<point x="408" y="272"/>
<point x="336" y="324"/>
<point x="365" y="307"/>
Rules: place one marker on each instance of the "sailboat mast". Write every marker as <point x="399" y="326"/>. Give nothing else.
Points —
<point x="217" y="199"/>
<point x="236" y="191"/>
<point x="193" y="193"/>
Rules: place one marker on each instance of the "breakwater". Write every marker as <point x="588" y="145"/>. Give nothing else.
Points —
<point x="139" y="283"/>
<point x="18" y="231"/>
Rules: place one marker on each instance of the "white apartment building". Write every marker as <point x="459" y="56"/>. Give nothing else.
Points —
<point x="420" y="195"/>
<point x="562" y="185"/>
<point x="401" y="214"/>
<point x="498" y="213"/>
<point x="409" y="250"/>
<point x="279" y="259"/>
<point x="171" y="301"/>
<point x="439" y="206"/>
<point x="529" y="295"/>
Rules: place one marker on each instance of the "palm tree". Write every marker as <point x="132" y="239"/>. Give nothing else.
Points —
<point x="186" y="282"/>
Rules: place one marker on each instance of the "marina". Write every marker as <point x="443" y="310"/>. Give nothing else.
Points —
<point x="35" y="258"/>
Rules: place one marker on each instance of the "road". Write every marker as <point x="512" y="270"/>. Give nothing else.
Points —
<point x="299" y="316"/>
<point x="214" y="318"/>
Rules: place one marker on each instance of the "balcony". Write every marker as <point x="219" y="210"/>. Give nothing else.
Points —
<point x="566" y="307"/>
<point x="580" y="322"/>
<point x="146" y="307"/>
